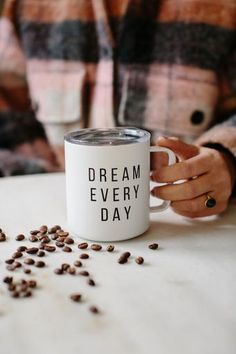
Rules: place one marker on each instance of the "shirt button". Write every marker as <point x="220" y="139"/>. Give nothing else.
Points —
<point x="197" y="117"/>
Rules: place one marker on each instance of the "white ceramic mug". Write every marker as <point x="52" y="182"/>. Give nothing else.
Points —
<point x="108" y="182"/>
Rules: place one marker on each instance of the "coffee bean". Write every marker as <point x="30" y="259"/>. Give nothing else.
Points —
<point x="2" y="237"/>
<point x="41" y="246"/>
<point x="60" y="244"/>
<point x="17" y="255"/>
<point x="8" y="280"/>
<point x="27" y="270"/>
<point x="20" y="237"/>
<point x="29" y="261"/>
<point x="91" y="282"/>
<point x="96" y="247"/>
<point x="52" y="230"/>
<point x="110" y="248"/>
<point x="65" y="266"/>
<point x="69" y="241"/>
<point x="45" y="239"/>
<point x="11" y="267"/>
<point x="27" y="294"/>
<point x="49" y="248"/>
<point x="23" y="287"/>
<point x="33" y="238"/>
<point x="32" y="283"/>
<point x="66" y="249"/>
<point x="61" y="239"/>
<point x="41" y="253"/>
<point x="17" y="264"/>
<point x="32" y="250"/>
<point x="153" y="246"/>
<point x="9" y="261"/>
<point x="58" y="271"/>
<point x="139" y="260"/>
<point x="94" y="309"/>
<point x="84" y="256"/>
<point x="76" y="297"/>
<point x="54" y="237"/>
<point x="71" y="270"/>
<point x="22" y="249"/>
<point x="126" y="254"/>
<point x="23" y="281"/>
<point x="83" y="246"/>
<point x="78" y="263"/>
<point x="40" y="264"/>
<point x="34" y="232"/>
<point x="84" y="273"/>
<point x="15" y="294"/>
<point x="11" y="287"/>
<point x="122" y="259"/>
<point x="62" y="233"/>
<point x="43" y="229"/>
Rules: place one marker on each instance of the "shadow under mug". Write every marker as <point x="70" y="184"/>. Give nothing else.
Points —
<point x="108" y="182"/>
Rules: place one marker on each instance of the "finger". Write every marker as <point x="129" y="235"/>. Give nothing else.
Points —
<point x="186" y="190"/>
<point x="180" y="148"/>
<point x="221" y="207"/>
<point x="193" y="167"/>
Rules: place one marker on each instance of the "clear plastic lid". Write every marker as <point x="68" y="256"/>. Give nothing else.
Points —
<point x="110" y="136"/>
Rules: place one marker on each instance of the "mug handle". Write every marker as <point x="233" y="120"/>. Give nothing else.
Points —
<point x="171" y="160"/>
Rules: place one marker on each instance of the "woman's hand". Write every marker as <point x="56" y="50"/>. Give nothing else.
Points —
<point x="204" y="171"/>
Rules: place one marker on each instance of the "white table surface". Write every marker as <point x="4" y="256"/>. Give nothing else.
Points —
<point x="181" y="301"/>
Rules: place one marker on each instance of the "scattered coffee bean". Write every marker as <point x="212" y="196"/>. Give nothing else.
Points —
<point x="110" y="248"/>
<point x="94" y="309"/>
<point x="17" y="255"/>
<point x="91" y="282"/>
<point x="96" y="247"/>
<point x="40" y="264"/>
<point x="84" y="256"/>
<point x="15" y="294"/>
<point x="153" y="246"/>
<point x="11" y="267"/>
<point x="41" y="253"/>
<point x="139" y="260"/>
<point x="71" y="270"/>
<point x="17" y="264"/>
<point x="49" y="248"/>
<point x="122" y="260"/>
<point x="11" y="287"/>
<point x="29" y="261"/>
<point x="8" y="280"/>
<point x="2" y="237"/>
<point x="32" y="283"/>
<point x="60" y="244"/>
<point x="62" y="233"/>
<point x="83" y="246"/>
<point x="9" y="261"/>
<point x="69" y="241"/>
<point x="126" y="254"/>
<point x="76" y="297"/>
<point x="32" y="250"/>
<point x="65" y="266"/>
<point x="22" y="249"/>
<point x="33" y="238"/>
<point x="84" y="273"/>
<point x="20" y="237"/>
<point x="66" y="249"/>
<point x="27" y="270"/>
<point x="78" y="263"/>
<point x="27" y="294"/>
<point x="58" y="271"/>
<point x="54" y="237"/>
<point x="34" y="232"/>
<point x="42" y="246"/>
<point x="52" y="230"/>
<point x="43" y="229"/>
<point x="45" y="239"/>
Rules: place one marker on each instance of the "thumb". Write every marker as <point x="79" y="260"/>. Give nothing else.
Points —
<point x="183" y="150"/>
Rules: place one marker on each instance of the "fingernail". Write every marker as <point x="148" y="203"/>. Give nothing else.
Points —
<point x="162" y="137"/>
